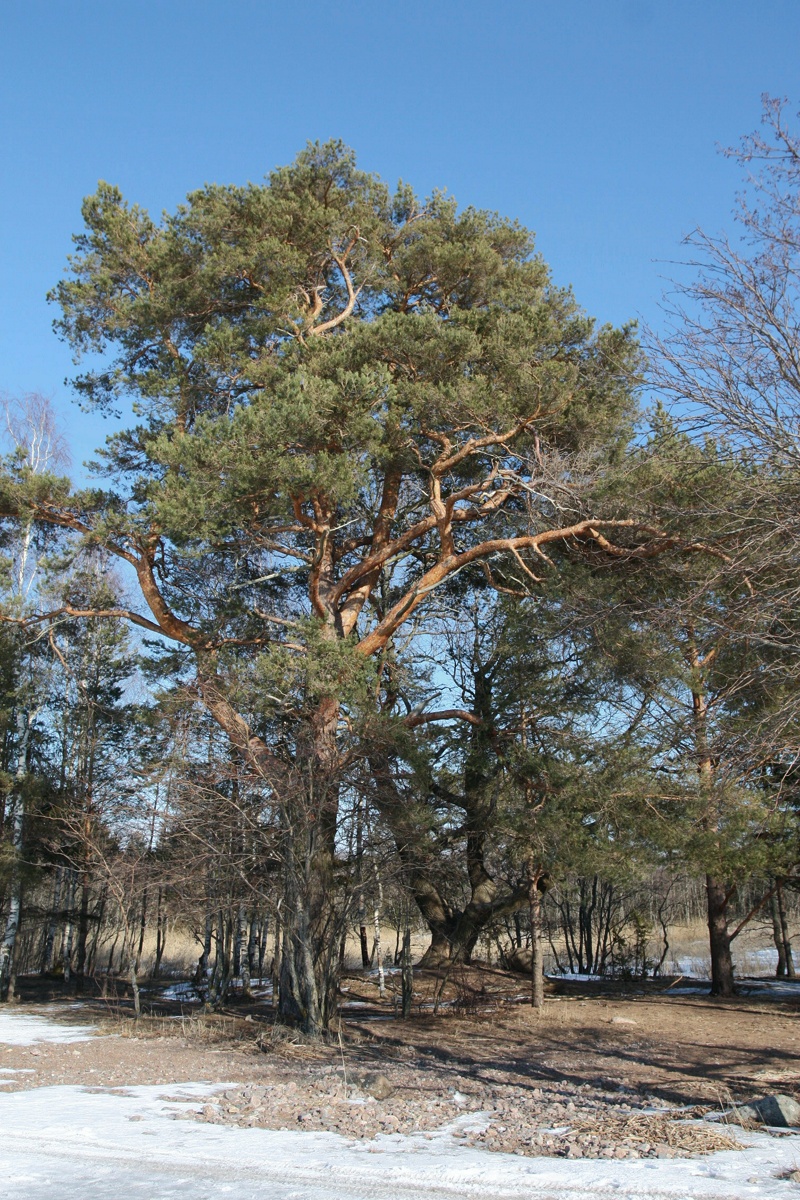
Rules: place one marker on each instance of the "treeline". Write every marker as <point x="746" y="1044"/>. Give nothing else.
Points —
<point x="395" y="610"/>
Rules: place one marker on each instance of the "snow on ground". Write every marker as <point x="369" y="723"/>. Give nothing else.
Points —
<point x="188" y="993"/>
<point x="784" y="989"/>
<point x="746" y="961"/>
<point x="73" y="1143"/>
<point x="23" y="1029"/>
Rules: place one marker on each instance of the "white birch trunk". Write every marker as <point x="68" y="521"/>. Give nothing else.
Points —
<point x="17" y="815"/>
<point x="378" y="950"/>
<point x="243" y="950"/>
<point x="69" y="927"/>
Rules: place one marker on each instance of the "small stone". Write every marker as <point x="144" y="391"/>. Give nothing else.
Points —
<point x="623" y="1021"/>
<point x="377" y="1086"/>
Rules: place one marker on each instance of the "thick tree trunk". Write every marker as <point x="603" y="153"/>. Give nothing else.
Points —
<point x="722" y="983"/>
<point x="309" y="968"/>
<point x="308" y="792"/>
<point x="454" y="932"/>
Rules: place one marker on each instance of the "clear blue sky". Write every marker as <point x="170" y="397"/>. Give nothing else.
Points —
<point x="594" y="122"/>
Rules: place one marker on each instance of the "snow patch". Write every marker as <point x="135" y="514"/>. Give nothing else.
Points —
<point x="88" y="1143"/>
<point x="25" y="1029"/>
<point x="84" y="1142"/>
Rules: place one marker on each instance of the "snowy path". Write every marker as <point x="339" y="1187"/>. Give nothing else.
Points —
<point x="67" y="1143"/>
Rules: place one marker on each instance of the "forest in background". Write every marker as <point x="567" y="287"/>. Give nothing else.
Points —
<point x="412" y="601"/>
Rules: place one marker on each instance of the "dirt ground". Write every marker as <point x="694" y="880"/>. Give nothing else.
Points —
<point x="605" y="1070"/>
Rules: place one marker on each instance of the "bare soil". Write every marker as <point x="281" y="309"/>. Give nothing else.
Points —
<point x="604" y="1070"/>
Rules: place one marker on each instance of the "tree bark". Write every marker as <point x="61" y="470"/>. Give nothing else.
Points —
<point x="717" y="894"/>
<point x="537" y="956"/>
<point x="781" y="933"/>
<point x="161" y="932"/>
<point x="52" y="925"/>
<point x="83" y="935"/>
<point x="454" y="932"/>
<point x="722" y="982"/>
<point x="9" y="942"/>
<point x="309" y="969"/>
<point x="407" y="976"/>
<point x="777" y="937"/>
<point x="378" y="954"/>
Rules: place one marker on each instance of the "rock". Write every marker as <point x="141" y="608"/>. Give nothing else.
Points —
<point x="377" y="1086"/>
<point x="519" y="960"/>
<point x="778" y="1110"/>
<point x="623" y="1021"/>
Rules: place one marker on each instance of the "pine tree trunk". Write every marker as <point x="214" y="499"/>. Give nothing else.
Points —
<point x="252" y="945"/>
<point x="787" y="945"/>
<point x="142" y="930"/>
<point x="201" y="974"/>
<point x="407" y="976"/>
<point x="262" y="947"/>
<point x="722" y="983"/>
<point x="362" y="903"/>
<point x="537" y="957"/>
<point x="309" y="968"/>
<point x="161" y="933"/>
<point x="777" y="937"/>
